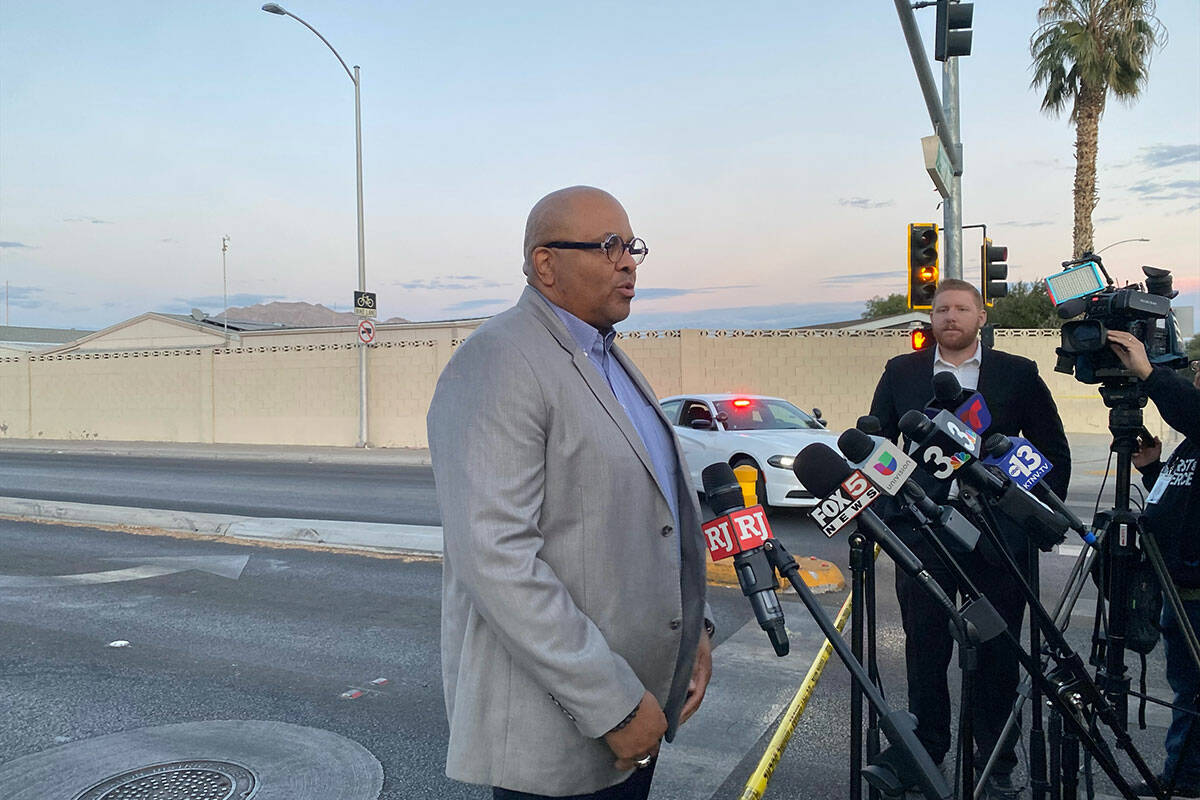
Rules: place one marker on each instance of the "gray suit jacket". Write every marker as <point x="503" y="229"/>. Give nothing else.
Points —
<point x="566" y="589"/>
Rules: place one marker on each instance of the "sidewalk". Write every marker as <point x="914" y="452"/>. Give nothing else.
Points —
<point x="303" y="454"/>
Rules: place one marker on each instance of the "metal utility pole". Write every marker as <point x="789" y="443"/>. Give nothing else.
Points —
<point x="275" y="8"/>
<point x="943" y="150"/>
<point x="952" y="262"/>
<point x="224" y="288"/>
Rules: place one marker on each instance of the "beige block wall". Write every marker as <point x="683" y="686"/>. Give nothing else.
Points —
<point x="304" y="390"/>
<point x="14" y="397"/>
<point x="153" y="395"/>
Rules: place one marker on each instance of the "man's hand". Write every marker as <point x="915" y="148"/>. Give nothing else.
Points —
<point x="641" y="737"/>
<point x="701" y="672"/>
<point x="1147" y="452"/>
<point x="1131" y="352"/>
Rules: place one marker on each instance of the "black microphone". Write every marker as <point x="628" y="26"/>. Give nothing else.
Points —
<point x="998" y="446"/>
<point x="890" y="472"/>
<point x="823" y="472"/>
<point x="869" y="425"/>
<point x="947" y="392"/>
<point x="742" y="536"/>
<point x="947" y="448"/>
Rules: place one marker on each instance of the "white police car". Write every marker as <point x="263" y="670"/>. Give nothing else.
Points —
<point x="764" y="432"/>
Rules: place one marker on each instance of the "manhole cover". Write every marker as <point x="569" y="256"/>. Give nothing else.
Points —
<point x="178" y="780"/>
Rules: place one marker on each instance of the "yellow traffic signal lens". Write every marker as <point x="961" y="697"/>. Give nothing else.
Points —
<point x="927" y="273"/>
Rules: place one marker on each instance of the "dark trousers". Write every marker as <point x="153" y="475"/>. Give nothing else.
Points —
<point x="1182" y="743"/>
<point x="635" y="787"/>
<point x="929" y="646"/>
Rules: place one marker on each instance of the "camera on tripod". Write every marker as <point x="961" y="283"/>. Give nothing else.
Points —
<point x="1145" y="314"/>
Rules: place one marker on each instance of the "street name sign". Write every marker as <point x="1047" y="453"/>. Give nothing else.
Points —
<point x="937" y="164"/>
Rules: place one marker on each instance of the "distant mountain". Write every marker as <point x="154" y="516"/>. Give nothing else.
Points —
<point x="300" y="315"/>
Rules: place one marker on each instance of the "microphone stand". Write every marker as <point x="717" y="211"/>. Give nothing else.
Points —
<point x="904" y="763"/>
<point x="862" y="603"/>
<point x="858" y="546"/>
<point x="1069" y="686"/>
<point x="1062" y="617"/>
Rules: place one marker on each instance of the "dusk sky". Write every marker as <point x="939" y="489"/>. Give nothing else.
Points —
<point x="768" y="153"/>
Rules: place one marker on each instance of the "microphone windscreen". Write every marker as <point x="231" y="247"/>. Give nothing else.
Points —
<point x="997" y="445"/>
<point x="723" y="491"/>
<point x="914" y="424"/>
<point x="946" y="387"/>
<point x="868" y="424"/>
<point x="820" y="469"/>
<point x="855" y="445"/>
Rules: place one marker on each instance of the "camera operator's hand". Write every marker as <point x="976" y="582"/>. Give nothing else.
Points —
<point x="1131" y="352"/>
<point x="1148" y="452"/>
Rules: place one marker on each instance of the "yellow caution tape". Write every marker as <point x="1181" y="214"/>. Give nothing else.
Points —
<point x="757" y="784"/>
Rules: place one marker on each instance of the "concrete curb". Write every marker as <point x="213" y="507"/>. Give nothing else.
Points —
<point x="298" y="454"/>
<point x="371" y="536"/>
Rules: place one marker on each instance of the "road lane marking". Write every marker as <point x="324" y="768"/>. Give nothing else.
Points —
<point x="223" y="566"/>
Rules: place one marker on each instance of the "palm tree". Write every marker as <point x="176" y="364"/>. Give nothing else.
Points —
<point x="1082" y="51"/>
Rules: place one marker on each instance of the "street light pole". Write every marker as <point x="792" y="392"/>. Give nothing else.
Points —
<point x="1123" y="241"/>
<point x="275" y="8"/>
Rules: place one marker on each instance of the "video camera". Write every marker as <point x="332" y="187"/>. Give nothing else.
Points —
<point x="1144" y="314"/>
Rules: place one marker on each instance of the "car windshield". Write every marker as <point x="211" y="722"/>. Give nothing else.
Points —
<point x="761" y="414"/>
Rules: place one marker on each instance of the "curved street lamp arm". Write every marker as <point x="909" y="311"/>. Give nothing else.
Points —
<point x="327" y="44"/>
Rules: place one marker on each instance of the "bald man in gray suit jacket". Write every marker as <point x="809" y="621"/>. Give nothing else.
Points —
<point x="575" y="634"/>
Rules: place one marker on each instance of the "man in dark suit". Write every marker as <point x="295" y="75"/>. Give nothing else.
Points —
<point x="1020" y="404"/>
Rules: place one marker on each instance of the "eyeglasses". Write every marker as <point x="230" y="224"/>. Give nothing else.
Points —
<point x="613" y="246"/>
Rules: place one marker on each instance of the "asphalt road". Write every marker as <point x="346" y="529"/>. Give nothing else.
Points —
<point x="296" y="629"/>
<point x="362" y="492"/>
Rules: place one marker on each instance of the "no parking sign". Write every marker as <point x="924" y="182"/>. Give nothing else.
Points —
<point x="366" y="331"/>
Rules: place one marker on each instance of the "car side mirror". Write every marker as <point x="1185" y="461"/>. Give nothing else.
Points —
<point x="816" y="412"/>
<point x="702" y="425"/>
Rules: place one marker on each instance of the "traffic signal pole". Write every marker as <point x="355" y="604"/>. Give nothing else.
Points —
<point x="952" y="252"/>
<point x="953" y="39"/>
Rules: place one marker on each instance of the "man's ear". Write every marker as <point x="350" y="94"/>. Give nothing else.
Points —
<point x="543" y="265"/>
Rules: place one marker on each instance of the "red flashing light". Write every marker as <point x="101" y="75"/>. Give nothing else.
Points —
<point x="741" y="403"/>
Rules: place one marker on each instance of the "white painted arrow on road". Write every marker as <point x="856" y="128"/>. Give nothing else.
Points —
<point x="224" y="566"/>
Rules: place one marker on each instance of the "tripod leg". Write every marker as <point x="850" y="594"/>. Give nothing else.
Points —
<point x="857" y="552"/>
<point x="873" y="743"/>
<point x="1056" y="745"/>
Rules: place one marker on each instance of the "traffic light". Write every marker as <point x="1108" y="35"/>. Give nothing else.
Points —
<point x="992" y="271"/>
<point x="920" y="338"/>
<point x="922" y="264"/>
<point x="953" y="34"/>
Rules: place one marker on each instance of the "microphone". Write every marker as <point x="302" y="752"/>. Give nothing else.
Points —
<point x="974" y="412"/>
<point x="741" y="532"/>
<point x="884" y="464"/>
<point x="889" y="469"/>
<point x="869" y="425"/>
<point x="847" y="494"/>
<point x="947" y="391"/>
<point x="945" y="448"/>
<point x="1022" y="461"/>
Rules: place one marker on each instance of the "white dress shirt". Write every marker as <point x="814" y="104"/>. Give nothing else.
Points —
<point x="967" y="372"/>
